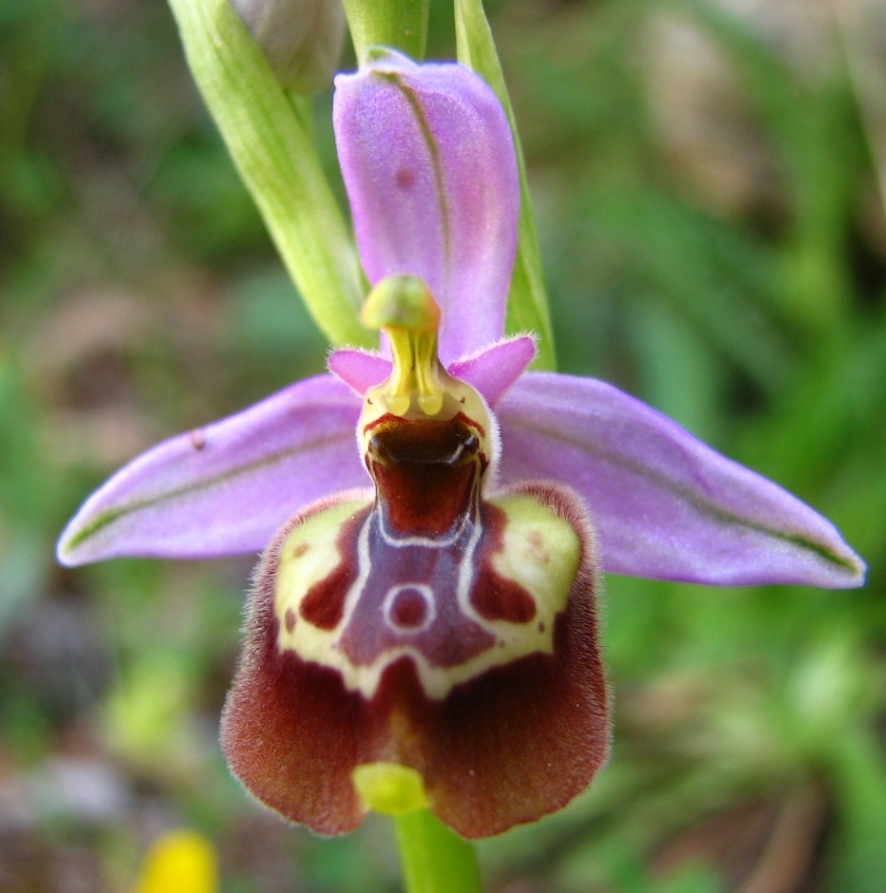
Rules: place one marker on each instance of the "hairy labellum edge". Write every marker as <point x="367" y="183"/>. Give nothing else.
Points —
<point x="513" y="744"/>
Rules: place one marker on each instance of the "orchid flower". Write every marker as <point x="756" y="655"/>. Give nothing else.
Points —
<point x="427" y="596"/>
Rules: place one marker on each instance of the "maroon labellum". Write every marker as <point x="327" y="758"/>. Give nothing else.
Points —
<point x="432" y="627"/>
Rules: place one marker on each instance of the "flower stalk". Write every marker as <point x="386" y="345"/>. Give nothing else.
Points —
<point x="433" y="857"/>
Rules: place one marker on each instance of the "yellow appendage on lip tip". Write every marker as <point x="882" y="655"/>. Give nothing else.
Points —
<point x="390" y="788"/>
<point x="404" y="309"/>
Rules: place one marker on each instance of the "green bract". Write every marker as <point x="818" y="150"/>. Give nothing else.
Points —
<point x="275" y="157"/>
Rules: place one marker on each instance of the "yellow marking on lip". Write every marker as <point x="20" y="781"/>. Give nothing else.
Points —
<point x="309" y="555"/>
<point x="540" y="551"/>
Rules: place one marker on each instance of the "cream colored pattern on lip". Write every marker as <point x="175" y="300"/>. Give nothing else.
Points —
<point x="540" y="551"/>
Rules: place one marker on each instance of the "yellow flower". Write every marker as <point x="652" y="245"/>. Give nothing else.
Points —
<point x="179" y="862"/>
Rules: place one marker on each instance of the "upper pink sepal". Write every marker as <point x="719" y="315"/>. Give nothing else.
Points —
<point x="429" y="165"/>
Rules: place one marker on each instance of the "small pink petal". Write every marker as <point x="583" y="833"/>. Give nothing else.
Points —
<point x="358" y="369"/>
<point x="493" y="370"/>
<point x="429" y="165"/>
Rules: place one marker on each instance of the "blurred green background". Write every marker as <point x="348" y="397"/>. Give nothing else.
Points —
<point x="709" y="182"/>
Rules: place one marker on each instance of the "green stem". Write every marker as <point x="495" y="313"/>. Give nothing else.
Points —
<point x="277" y="160"/>
<point x="399" y="24"/>
<point x="434" y="858"/>
<point x="528" y="301"/>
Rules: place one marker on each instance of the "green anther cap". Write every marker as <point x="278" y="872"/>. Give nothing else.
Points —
<point x="402" y="302"/>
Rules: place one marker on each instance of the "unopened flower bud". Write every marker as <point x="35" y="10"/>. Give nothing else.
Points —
<point x="301" y="39"/>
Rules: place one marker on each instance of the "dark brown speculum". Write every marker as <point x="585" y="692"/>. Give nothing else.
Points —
<point x="427" y="473"/>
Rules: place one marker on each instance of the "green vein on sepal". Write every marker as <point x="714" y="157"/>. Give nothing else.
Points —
<point x="123" y="509"/>
<point x="277" y="161"/>
<point x="708" y="507"/>
<point x="527" y="302"/>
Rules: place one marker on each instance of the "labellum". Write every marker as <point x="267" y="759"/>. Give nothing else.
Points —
<point x="433" y="624"/>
